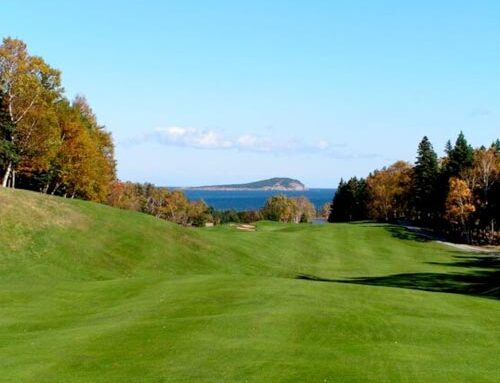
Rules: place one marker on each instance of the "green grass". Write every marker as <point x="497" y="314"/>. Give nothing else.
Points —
<point x="94" y="294"/>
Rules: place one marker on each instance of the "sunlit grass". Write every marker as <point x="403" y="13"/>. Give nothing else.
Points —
<point x="94" y="294"/>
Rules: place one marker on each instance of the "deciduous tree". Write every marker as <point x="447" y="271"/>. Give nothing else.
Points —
<point x="27" y="83"/>
<point x="305" y="211"/>
<point x="389" y="191"/>
<point x="459" y="205"/>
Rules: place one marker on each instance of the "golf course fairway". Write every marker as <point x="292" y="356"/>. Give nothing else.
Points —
<point x="90" y="293"/>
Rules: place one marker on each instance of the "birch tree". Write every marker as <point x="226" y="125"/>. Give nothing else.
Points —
<point x="26" y="83"/>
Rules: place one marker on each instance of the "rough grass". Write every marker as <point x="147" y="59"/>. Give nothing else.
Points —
<point x="94" y="294"/>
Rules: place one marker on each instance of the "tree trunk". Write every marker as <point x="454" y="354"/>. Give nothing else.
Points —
<point x="55" y="188"/>
<point x="7" y="174"/>
<point x="492" y="231"/>
<point x="13" y="180"/>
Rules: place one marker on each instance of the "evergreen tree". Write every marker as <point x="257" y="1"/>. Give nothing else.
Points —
<point x="337" y="208"/>
<point x="460" y="157"/>
<point x="448" y="147"/>
<point x="425" y="175"/>
<point x="349" y="201"/>
<point x="360" y="199"/>
<point x="496" y="146"/>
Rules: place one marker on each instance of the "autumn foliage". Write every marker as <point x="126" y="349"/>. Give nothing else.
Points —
<point x="171" y="205"/>
<point x="388" y="191"/>
<point x="288" y="209"/>
<point x="459" y="206"/>
<point x="48" y="143"/>
<point x="457" y="195"/>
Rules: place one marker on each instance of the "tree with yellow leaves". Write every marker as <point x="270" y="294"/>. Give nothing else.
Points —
<point x="28" y="89"/>
<point x="388" y="191"/>
<point x="459" y="205"/>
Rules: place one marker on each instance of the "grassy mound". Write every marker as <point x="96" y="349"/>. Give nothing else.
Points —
<point x="94" y="294"/>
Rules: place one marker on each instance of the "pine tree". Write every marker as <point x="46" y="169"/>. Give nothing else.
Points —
<point x="460" y="157"/>
<point x="425" y="176"/>
<point x="458" y="160"/>
<point x="337" y="203"/>
<point x="496" y="145"/>
<point x="448" y="147"/>
<point x="349" y="201"/>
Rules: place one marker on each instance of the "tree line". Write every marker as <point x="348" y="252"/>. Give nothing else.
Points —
<point x="174" y="206"/>
<point x="47" y="142"/>
<point x="457" y="195"/>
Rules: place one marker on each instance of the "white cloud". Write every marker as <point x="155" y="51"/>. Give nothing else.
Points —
<point x="247" y="140"/>
<point x="174" y="132"/>
<point x="202" y="139"/>
<point x="322" y="145"/>
<point x="211" y="139"/>
<point x="255" y="143"/>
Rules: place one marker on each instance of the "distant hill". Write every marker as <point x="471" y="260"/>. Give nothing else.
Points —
<point x="277" y="183"/>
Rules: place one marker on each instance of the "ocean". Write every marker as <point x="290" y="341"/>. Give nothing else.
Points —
<point x="253" y="200"/>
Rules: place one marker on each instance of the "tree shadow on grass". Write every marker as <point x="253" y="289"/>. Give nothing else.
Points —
<point x="480" y="277"/>
<point x="401" y="232"/>
<point x="418" y="234"/>
<point x="367" y="223"/>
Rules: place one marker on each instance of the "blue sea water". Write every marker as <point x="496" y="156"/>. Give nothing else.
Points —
<point x="252" y="200"/>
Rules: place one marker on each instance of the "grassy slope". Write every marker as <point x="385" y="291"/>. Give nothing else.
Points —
<point x="94" y="294"/>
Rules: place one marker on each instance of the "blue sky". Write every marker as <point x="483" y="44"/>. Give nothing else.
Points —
<point x="204" y="92"/>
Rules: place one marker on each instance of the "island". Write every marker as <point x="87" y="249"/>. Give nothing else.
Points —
<point x="277" y="183"/>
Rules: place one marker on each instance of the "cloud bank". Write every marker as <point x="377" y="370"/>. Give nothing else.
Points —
<point x="212" y="139"/>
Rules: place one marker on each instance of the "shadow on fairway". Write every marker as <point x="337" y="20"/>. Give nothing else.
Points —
<point x="483" y="278"/>
<point x="400" y="232"/>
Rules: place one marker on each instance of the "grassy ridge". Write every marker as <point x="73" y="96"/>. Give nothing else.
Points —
<point x="94" y="294"/>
